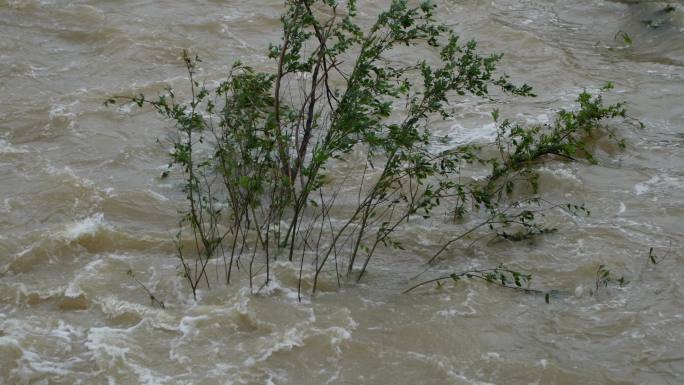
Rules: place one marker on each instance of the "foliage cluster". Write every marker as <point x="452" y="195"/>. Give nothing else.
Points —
<point x="256" y="152"/>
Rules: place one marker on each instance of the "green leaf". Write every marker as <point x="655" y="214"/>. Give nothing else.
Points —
<point x="495" y="114"/>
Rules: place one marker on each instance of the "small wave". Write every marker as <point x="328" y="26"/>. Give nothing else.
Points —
<point x="126" y="312"/>
<point x="7" y="148"/>
<point x="561" y="173"/>
<point x="92" y="234"/>
<point x="465" y="309"/>
<point x="157" y="195"/>
<point x="66" y="171"/>
<point x="85" y="227"/>
<point x="22" y="361"/>
<point x="658" y="183"/>
<point x="482" y="134"/>
<point x="62" y="116"/>
<point x="6" y="207"/>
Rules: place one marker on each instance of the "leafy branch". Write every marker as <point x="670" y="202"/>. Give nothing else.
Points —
<point x="256" y="153"/>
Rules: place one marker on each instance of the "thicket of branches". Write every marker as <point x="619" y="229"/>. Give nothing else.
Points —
<point x="256" y="151"/>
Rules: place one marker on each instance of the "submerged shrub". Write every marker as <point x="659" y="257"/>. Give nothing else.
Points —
<point x="255" y="151"/>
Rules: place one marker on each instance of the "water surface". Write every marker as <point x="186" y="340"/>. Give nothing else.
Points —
<point x="81" y="203"/>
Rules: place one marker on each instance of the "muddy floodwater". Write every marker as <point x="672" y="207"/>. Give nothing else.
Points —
<point x="82" y="203"/>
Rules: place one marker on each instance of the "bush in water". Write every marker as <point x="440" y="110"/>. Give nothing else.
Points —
<point x="256" y="151"/>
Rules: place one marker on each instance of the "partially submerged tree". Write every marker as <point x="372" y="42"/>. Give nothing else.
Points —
<point x="255" y="151"/>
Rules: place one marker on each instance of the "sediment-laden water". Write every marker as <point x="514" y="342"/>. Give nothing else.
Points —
<point x="82" y="203"/>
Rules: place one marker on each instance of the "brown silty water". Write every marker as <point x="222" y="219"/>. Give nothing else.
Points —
<point x="82" y="203"/>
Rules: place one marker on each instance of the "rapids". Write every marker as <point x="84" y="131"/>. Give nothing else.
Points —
<point x="82" y="203"/>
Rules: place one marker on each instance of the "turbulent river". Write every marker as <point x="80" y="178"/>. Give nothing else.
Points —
<point x="82" y="203"/>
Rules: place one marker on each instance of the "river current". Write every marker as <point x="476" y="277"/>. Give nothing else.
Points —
<point x="82" y="203"/>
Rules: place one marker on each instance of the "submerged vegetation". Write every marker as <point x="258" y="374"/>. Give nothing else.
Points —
<point x="256" y="151"/>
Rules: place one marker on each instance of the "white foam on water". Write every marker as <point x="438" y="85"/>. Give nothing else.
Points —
<point x="561" y="172"/>
<point x="69" y="174"/>
<point x="73" y="290"/>
<point x="10" y="340"/>
<point x="658" y="182"/>
<point x="491" y="356"/>
<point x="444" y="364"/>
<point x="188" y="328"/>
<point x="468" y="310"/>
<point x="60" y="110"/>
<point x="39" y="364"/>
<point x="463" y="135"/>
<point x="292" y="338"/>
<point x="6" y="206"/>
<point x="114" y="307"/>
<point x="622" y="208"/>
<point x="33" y="362"/>
<point x="117" y="349"/>
<point x="643" y="187"/>
<point x="543" y="363"/>
<point x="66" y="331"/>
<point x="62" y="117"/>
<point x="157" y="195"/>
<point x="223" y="371"/>
<point x="539" y="119"/>
<point x="280" y="341"/>
<point x="23" y="291"/>
<point x="7" y="148"/>
<point x="274" y="286"/>
<point x="338" y="334"/>
<point x="85" y="227"/>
